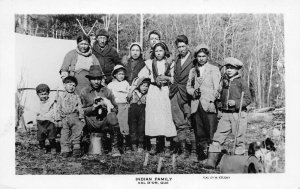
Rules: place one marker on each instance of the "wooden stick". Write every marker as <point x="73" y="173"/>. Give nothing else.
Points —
<point x="92" y="27"/>
<point x="146" y="159"/>
<point x="81" y="27"/>
<point x="160" y="161"/>
<point x="238" y="123"/>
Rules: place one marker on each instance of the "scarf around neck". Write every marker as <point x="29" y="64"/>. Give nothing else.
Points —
<point x="86" y="54"/>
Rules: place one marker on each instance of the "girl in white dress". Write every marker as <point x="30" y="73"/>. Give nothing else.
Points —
<point x="159" y="122"/>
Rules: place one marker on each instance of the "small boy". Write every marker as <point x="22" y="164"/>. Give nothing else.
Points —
<point x="120" y="88"/>
<point x="72" y="118"/>
<point x="136" y="114"/>
<point x="45" y="119"/>
<point x="232" y="88"/>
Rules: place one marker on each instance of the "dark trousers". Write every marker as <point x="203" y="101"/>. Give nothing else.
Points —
<point x="45" y="129"/>
<point x="204" y="125"/>
<point x="136" y="121"/>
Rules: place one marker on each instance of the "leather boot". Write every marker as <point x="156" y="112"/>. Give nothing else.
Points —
<point x="212" y="160"/>
<point x="53" y="146"/>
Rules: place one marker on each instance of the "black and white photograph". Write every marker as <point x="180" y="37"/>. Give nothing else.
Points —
<point x="151" y="98"/>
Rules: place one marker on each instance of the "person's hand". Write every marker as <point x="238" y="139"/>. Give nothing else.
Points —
<point x="231" y="103"/>
<point x="197" y="93"/>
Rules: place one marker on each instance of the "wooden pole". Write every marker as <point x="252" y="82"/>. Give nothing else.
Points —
<point x="117" y="32"/>
<point x="141" y="29"/>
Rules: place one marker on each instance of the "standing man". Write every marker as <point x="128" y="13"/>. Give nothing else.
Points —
<point x="154" y="37"/>
<point x="179" y="97"/>
<point x="106" y="53"/>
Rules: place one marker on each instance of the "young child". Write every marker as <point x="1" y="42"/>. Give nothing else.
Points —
<point x="120" y="88"/>
<point x="72" y="118"/>
<point x="232" y="89"/>
<point x="45" y="119"/>
<point x="136" y="114"/>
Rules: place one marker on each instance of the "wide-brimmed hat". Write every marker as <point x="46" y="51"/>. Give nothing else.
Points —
<point x="233" y="61"/>
<point x="199" y="47"/>
<point x="102" y="32"/>
<point x="95" y="72"/>
<point x="142" y="80"/>
<point x="117" y="68"/>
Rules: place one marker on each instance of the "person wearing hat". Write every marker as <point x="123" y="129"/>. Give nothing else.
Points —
<point x="203" y="86"/>
<point x="232" y="88"/>
<point x="78" y="61"/>
<point x="135" y="62"/>
<point x="120" y="88"/>
<point x="159" y="123"/>
<point x="136" y="114"/>
<point x="46" y="119"/>
<point x="71" y="117"/>
<point x="105" y="53"/>
<point x="179" y="98"/>
<point x="93" y="97"/>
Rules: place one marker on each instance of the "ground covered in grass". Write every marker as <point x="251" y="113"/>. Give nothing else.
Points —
<point x="29" y="161"/>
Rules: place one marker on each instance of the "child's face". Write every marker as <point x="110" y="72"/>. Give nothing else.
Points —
<point x="159" y="53"/>
<point x="70" y="87"/>
<point x="43" y="95"/>
<point x="144" y="88"/>
<point x="153" y="39"/>
<point x="120" y="75"/>
<point x="231" y="70"/>
<point x="135" y="52"/>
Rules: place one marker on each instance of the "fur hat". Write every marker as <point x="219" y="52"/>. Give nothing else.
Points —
<point x="233" y="61"/>
<point x="117" y="68"/>
<point x="95" y="72"/>
<point x="102" y="32"/>
<point x="42" y="87"/>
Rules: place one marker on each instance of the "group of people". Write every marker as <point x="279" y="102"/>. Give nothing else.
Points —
<point x="154" y="102"/>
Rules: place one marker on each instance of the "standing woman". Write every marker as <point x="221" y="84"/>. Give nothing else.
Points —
<point x="203" y="86"/>
<point x="159" y="122"/>
<point x="135" y="63"/>
<point x="78" y="61"/>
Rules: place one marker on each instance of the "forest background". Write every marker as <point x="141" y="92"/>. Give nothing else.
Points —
<point x="256" y="39"/>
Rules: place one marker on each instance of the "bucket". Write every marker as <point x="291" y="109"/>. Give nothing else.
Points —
<point x="95" y="144"/>
<point x="240" y="164"/>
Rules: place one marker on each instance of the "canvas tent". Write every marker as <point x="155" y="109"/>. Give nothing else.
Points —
<point x="38" y="60"/>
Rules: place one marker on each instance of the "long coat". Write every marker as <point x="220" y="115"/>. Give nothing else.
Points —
<point x="108" y="58"/>
<point x="180" y="76"/>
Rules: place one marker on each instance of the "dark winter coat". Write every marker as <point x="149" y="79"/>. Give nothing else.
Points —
<point x="232" y="90"/>
<point x="108" y="58"/>
<point x="133" y="71"/>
